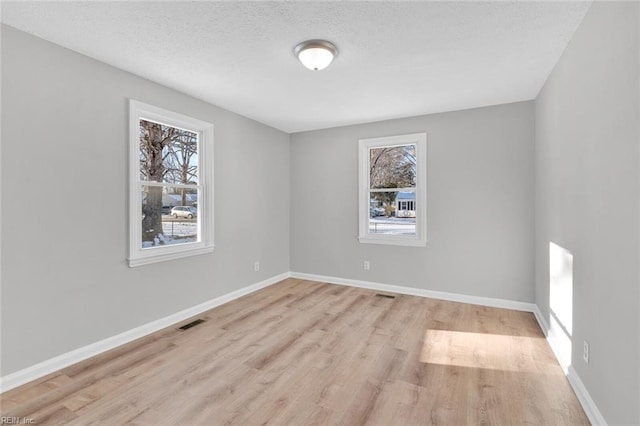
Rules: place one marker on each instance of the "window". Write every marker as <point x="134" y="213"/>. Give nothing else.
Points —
<point x="406" y="206"/>
<point x="171" y="185"/>
<point x="393" y="181"/>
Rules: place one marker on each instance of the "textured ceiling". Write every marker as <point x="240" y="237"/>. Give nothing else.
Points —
<point x="396" y="59"/>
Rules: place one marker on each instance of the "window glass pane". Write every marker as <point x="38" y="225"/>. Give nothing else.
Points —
<point x="166" y="220"/>
<point x="390" y="212"/>
<point x="168" y="154"/>
<point x="392" y="167"/>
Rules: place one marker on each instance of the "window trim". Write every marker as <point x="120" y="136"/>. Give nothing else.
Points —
<point x="137" y="256"/>
<point x="364" y="145"/>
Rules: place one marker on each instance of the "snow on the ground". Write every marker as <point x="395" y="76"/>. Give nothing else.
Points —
<point x="175" y="233"/>
<point x="392" y="225"/>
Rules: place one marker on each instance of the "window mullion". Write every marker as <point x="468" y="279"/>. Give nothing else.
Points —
<point x="170" y="184"/>
<point x="413" y="189"/>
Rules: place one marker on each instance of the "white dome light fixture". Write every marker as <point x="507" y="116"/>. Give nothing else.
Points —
<point x="316" y="54"/>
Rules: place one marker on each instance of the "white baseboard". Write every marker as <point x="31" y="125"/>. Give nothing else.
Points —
<point x="588" y="405"/>
<point x="544" y="325"/>
<point x="551" y="339"/>
<point x="453" y="297"/>
<point x="49" y="366"/>
<point x="59" y="362"/>
<point x="590" y="408"/>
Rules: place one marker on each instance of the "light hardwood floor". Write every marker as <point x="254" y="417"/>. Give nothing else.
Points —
<point x="304" y="353"/>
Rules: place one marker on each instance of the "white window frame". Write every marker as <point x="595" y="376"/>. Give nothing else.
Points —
<point x="364" y="147"/>
<point x="138" y="256"/>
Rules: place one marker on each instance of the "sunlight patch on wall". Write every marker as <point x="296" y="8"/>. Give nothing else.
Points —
<point x="561" y="285"/>
<point x="561" y="301"/>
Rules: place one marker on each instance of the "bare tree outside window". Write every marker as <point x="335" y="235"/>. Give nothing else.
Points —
<point x="169" y="163"/>
<point x="393" y="167"/>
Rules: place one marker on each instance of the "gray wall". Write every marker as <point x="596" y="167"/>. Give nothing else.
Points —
<point x="65" y="282"/>
<point x="587" y="186"/>
<point x="479" y="196"/>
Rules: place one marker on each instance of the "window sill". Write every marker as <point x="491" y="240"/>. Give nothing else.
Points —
<point x="391" y="241"/>
<point x="163" y="257"/>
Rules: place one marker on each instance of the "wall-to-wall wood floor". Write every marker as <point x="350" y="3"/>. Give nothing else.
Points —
<point x="302" y="352"/>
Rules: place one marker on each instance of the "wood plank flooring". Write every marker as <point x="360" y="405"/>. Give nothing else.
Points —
<point x="309" y="353"/>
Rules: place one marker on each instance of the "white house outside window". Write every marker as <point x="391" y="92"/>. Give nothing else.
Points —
<point x="171" y="185"/>
<point x="392" y="200"/>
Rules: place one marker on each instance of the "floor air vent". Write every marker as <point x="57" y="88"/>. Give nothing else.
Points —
<point x="191" y="324"/>
<point x="388" y="296"/>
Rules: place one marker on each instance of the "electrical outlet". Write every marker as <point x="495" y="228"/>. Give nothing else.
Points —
<point x="256" y="266"/>
<point x="585" y="352"/>
<point x="366" y="265"/>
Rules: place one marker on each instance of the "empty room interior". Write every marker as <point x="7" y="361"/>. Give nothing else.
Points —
<point x="295" y="213"/>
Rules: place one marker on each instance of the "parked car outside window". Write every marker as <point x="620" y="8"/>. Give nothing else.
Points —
<point x="184" y="211"/>
<point x="376" y="211"/>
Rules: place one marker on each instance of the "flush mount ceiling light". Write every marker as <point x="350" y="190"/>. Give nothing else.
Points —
<point x="316" y="54"/>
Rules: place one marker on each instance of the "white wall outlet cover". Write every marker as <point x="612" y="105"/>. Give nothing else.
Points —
<point x="585" y="352"/>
